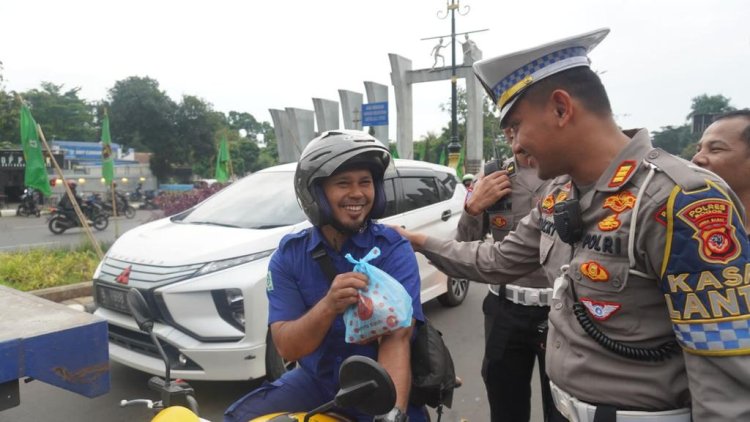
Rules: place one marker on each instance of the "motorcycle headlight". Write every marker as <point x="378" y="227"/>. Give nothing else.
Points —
<point x="231" y="262"/>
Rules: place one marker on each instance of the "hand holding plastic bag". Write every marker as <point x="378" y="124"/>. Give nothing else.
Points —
<point x="384" y="306"/>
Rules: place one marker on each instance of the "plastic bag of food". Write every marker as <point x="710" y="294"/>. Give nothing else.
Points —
<point x="383" y="306"/>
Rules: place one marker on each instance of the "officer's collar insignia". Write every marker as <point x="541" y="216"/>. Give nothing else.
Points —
<point x="620" y="202"/>
<point x="561" y="196"/>
<point x="712" y="221"/>
<point x="567" y="187"/>
<point x="661" y="216"/>
<point x="610" y="223"/>
<point x="499" y="221"/>
<point x="511" y="168"/>
<point x="622" y="174"/>
<point x="600" y="310"/>
<point x="548" y="203"/>
<point x="594" y="271"/>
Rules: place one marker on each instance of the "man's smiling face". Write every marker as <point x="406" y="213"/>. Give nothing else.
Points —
<point x="350" y="195"/>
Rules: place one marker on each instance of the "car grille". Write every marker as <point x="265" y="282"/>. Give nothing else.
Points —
<point x="146" y="273"/>
<point x="141" y="343"/>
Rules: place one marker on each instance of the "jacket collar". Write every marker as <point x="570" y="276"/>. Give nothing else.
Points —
<point x="626" y="163"/>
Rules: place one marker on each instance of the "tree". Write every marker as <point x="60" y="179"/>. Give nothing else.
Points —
<point x="142" y="117"/>
<point x="197" y="125"/>
<point x="673" y="139"/>
<point x="9" y="118"/>
<point x="709" y="104"/>
<point x="60" y="113"/>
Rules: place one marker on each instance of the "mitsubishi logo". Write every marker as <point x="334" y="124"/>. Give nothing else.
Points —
<point x="124" y="276"/>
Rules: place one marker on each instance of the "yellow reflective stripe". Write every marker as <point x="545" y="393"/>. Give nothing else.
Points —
<point x="670" y="230"/>
<point x="510" y="92"/>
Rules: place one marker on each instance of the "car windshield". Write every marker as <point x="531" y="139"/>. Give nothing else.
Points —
<point x="259" y="201"/>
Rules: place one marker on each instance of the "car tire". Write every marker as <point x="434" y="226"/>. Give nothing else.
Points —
<point x="276" y="366"/>
<point x="458" y="288"/>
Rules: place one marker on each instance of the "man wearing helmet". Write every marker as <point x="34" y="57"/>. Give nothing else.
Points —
<point x="65" y="204"/>
<point x="339" y="185"/>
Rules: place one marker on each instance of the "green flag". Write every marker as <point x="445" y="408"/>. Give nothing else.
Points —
<point x="36" y="170"/>
<point x="442" y="160"/>
<point x="108" y="162"/>
<point x="394" y="150"/>
<point x="222" y="161"/>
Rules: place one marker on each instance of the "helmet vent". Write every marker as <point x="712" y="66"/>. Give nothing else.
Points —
<point x="319" y="156"/>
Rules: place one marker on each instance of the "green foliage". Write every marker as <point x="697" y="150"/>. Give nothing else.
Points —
<point x="61" y="114"/>
<point x="673" y="139"/>
<point x="41" y="268"/>
<point x="709" y="104"/>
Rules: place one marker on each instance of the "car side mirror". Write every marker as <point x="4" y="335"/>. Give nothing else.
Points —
<point x="140" y="310"/>
<point x="364" y="385"/>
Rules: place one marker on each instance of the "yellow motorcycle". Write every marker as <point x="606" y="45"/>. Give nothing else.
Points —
<point x="364" y="385"/>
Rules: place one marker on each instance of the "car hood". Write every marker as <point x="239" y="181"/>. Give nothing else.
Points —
<point x="167" y="243"/>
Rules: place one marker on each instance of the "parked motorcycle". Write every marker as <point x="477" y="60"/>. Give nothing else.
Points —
<point x="364" y="384"/>
<point x="149" y="202"/>
<point x="28" y="205"/>
<point x="60" y="220"/>
<point x="123" y="205"/>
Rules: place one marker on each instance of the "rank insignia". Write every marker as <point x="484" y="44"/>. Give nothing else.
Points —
<point x="620" y="202"/>
<point x="594" y="271"/>
<point x="610" y="223"/>
<point x="548" y="203"/>
<point x="499" y="221"/>
<point x="601" y="311"/>
<point x="511" y="169"/>
<point x="712" y="221"/>
<point x="622" y="173"/>
<point x="563" y="195"/>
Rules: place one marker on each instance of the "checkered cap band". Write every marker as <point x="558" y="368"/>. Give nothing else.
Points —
<point x="535" y="66"/>
<point x="715" y="336"/>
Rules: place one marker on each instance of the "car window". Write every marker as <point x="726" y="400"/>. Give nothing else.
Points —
<point x="446" y="184"/>
<point x="259" y="201"/>
<point x="390" y="198"/>
<point x="419" y="192"/>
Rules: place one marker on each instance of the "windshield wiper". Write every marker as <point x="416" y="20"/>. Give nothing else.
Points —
<point x="213" y="223"/>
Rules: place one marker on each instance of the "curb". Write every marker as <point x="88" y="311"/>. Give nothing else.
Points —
<point x="63" y="293"/>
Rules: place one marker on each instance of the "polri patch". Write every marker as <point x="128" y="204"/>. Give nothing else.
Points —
<point x="622" y="201"/>
<point x="623" y="172"/>
<point x="594" y="271"/>
<point x="610" y="223"/>
<point x="600" y="310"/>
<point x="712" y="221"/>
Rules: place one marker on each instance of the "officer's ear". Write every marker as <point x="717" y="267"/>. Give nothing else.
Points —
<point x="562" y="106"/>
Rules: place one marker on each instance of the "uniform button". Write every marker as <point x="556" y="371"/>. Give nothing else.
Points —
<point x="577" y="275"/>
<point x="653" y="154"/>
<point x="557" y="344"/>
<point x="558" y="305"/>
<point x="616" y="282"/>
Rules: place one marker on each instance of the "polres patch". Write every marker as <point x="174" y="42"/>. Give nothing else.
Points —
<point x="600" y="310"/>
<point x="269" y="282"/>
<point x="712" y="221"/>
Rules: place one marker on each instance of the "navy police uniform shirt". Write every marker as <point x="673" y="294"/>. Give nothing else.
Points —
<point x="296" y="282"/>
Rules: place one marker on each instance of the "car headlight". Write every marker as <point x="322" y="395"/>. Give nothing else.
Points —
<point x="231" y="306"/>
<point x="231" y="262"/>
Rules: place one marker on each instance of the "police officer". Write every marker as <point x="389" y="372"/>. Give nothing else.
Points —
<point x="339" y="184"/>
<point x="649" y="256"/>
<point x="515" y="315"/>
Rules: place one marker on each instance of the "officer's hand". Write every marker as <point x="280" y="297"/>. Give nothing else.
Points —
<point x="487" y="191"/>
<point x="343" y="291"/>
<point x="416" y="239"/>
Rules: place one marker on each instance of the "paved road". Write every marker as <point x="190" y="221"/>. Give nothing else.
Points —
<point x="462" y="329"/>
<point x="20" y="233"/>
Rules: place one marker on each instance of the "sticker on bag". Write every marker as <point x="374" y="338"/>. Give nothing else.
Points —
<point x="382" y="307"/>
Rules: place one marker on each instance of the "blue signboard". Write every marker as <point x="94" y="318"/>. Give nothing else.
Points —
<point x="375" y="114"/>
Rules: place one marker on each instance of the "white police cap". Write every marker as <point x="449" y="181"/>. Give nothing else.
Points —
<point x="506" y="77"/>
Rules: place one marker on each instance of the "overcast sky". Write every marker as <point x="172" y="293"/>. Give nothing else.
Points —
<point x="254" y="55"/>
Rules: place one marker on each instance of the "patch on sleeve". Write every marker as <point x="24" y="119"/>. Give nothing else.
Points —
<point x="499" y="222"/>
<point x="269" y="282"/>
<point x="661" y="216"/>
<point x="706" y="272"/>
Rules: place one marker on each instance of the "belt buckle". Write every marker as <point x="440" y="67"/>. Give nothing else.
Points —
<point x="532" y="296"/>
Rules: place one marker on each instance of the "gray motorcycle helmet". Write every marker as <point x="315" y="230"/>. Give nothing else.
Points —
<point x="329" y="152"/>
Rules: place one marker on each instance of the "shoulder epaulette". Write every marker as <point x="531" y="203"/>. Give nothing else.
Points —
<point x="685" y="174"/>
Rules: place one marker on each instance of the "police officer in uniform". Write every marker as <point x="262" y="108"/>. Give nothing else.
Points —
<point x="649" y="256"/>
<point x="515" y="315"/>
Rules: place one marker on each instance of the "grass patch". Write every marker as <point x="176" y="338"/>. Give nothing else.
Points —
<point x="45" y="267"/>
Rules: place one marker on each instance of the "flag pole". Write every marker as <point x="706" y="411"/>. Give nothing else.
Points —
<point x="71" y="197"/>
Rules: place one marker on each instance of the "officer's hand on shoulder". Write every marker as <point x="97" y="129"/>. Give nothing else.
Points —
<point x="344" y="291"/>
<point x="488" y="190"/>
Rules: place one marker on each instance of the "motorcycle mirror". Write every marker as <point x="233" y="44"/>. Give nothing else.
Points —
<point x="365" y="386"/>
<point x="140" y="310"/>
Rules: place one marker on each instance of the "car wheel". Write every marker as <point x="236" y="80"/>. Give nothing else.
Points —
<point x="276" y="366"/>
<point x="458" y="288"/>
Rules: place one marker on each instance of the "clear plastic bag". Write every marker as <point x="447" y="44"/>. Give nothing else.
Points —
<point x="384" y="306"/>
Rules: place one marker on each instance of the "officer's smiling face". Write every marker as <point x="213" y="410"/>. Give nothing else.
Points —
<point x="350" y="195"/>
<point x="723" y="151"/>
<point x="528" y="127"/>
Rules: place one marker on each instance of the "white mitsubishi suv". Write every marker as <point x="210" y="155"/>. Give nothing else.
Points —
<point x="203" y="271"/>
